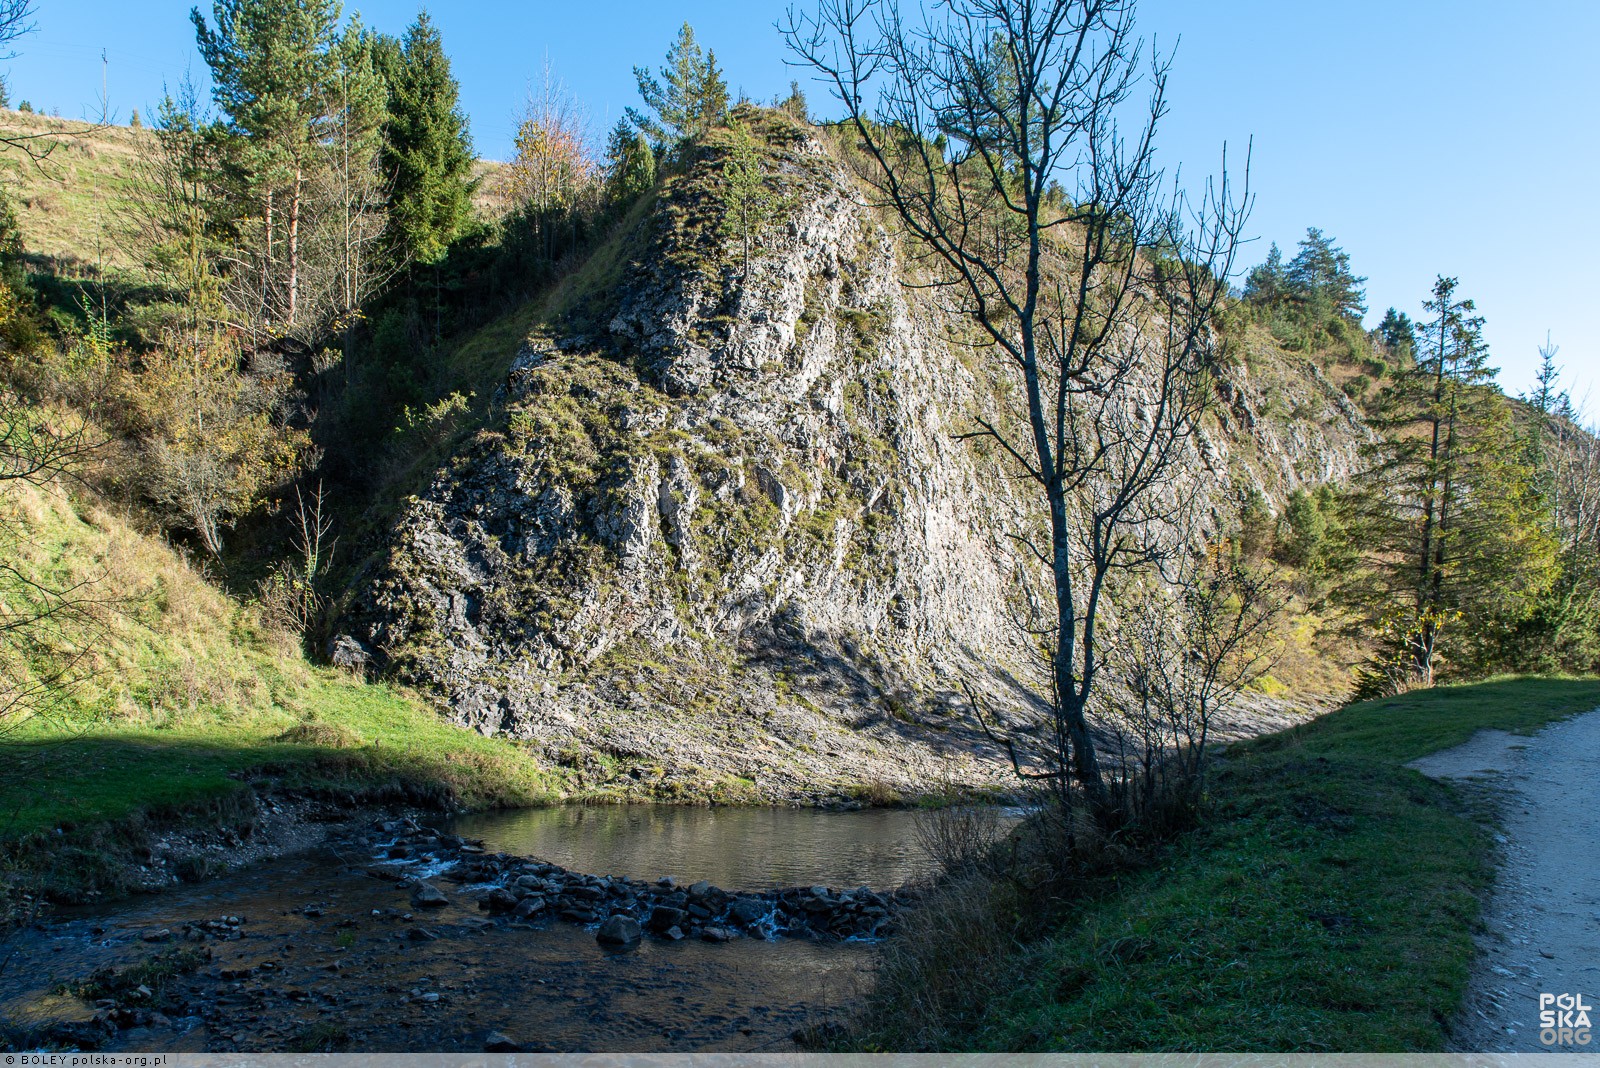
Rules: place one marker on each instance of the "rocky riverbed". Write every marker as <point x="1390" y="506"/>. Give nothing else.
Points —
<point x="400" y="936"/>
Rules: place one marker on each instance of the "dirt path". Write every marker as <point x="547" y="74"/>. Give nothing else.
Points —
<point x="1542" y="924"/>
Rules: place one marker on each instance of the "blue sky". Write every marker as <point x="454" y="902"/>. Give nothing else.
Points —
<point x="1426" y="136"/>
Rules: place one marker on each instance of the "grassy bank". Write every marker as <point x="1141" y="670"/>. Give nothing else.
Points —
<point x="175" y="702"/>
<point x="1327" y="904"/>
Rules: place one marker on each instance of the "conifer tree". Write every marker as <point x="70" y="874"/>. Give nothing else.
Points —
<point x="271" y="66"/>
<point x="688" y="99"/>
<point x="1448" y="513"/>
<point x="1319" y="276"/>
<point x="1267" y="282"/>
<point x="428" y="150"/>
<point x="630" y="165"/>
<point x="1399" y="335"/>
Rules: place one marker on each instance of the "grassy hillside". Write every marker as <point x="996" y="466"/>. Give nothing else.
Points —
<point x="179" y="698"/>
<point x="72" y="204"/>
<point x="1327" y="904"/>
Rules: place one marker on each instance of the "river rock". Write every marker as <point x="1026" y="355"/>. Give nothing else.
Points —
<point x="428" y="896"/>
<point x="499" y="900"/>
<point x="747" y="911"/>
<point x="716" y="934"/>
<point x="530" y="906"/>
<point x="495" y="1042"/>
<point x="619" y="931"/>
<point x="663" y="917"/>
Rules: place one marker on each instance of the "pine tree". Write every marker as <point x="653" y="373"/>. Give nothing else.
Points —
<point x="271" y="66"/>
<point x="630" y="165"/>
<point x="689" y="98"/>
<point x="428" y="150"/>
<point x="1319" y="276"/>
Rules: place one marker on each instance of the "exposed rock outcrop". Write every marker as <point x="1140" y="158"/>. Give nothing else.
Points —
<point x="728" y="539"/>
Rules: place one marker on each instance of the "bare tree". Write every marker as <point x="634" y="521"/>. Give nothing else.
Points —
<point x="1187" y="651"/>
<point x="997" y="131"/>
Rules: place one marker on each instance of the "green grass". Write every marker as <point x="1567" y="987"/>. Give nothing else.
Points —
<point x="1328" y="904"/>
<point x="182" y="701"/>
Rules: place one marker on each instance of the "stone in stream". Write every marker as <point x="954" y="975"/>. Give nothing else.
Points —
<point x="716" y="934"/>
<point x="428" y="896"/>
<point x="499" y="900"/>
<point x="529" y="906"/>
<point x="748" y="911"/>
<point x="619" y="931"/>
<point x="663" y="917"/>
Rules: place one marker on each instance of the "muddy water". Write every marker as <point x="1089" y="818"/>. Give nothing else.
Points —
<point x="326" y="951"/>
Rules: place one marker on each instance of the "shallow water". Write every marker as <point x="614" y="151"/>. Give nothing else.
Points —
<point x="734" y="848"/>
<point x="338" y="947"/>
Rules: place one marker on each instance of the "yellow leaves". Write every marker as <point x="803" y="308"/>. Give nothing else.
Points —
<point x="553" y="164"/>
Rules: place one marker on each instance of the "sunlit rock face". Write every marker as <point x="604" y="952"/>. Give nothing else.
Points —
<point x="724" y="537"/>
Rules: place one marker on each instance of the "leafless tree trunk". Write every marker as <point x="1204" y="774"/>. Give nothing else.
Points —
<point x="995" y="130"/>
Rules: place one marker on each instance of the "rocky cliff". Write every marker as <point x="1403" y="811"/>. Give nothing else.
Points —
<point x="722" y="540"/>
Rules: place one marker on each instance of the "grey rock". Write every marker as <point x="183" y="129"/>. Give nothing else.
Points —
<point x="495" y="1042"/>
<point x="428" y="896"/>
<point x="747" y="911"/>
<point x="619" y="931"/>
<point x="348" y="654"/>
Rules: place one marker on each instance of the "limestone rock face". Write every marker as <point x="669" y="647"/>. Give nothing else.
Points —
<point x="728" y="540"/>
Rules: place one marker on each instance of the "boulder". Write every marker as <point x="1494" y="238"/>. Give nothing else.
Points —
<point x="748" y="911"/>
<point x="347" y="654"/>
<point x="619" y="931"/>
<point x="428" y="896"/>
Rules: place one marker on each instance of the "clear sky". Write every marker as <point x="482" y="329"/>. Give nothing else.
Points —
<point x="1427" y="136"/>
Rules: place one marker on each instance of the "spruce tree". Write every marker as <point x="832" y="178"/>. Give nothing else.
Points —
<point x="1448" y="508"/>
<point x="428" y="150"/>
<point x="630" y="165"/>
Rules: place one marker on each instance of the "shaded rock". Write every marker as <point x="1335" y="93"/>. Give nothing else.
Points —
<point x="619" y="931"/>
<point x="428" y="896"/>
<point x="495" y="1042"/>
<point x="747" y="911"/>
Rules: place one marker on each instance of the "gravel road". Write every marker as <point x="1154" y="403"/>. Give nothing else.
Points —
<point x="1542" y="924"/>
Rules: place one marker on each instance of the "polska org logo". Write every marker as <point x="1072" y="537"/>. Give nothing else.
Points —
<point x="1564" y="1020"/>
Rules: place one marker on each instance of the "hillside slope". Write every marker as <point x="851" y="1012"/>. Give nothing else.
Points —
<point x="147" y="698"/>
<point x="721" y="529"/>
